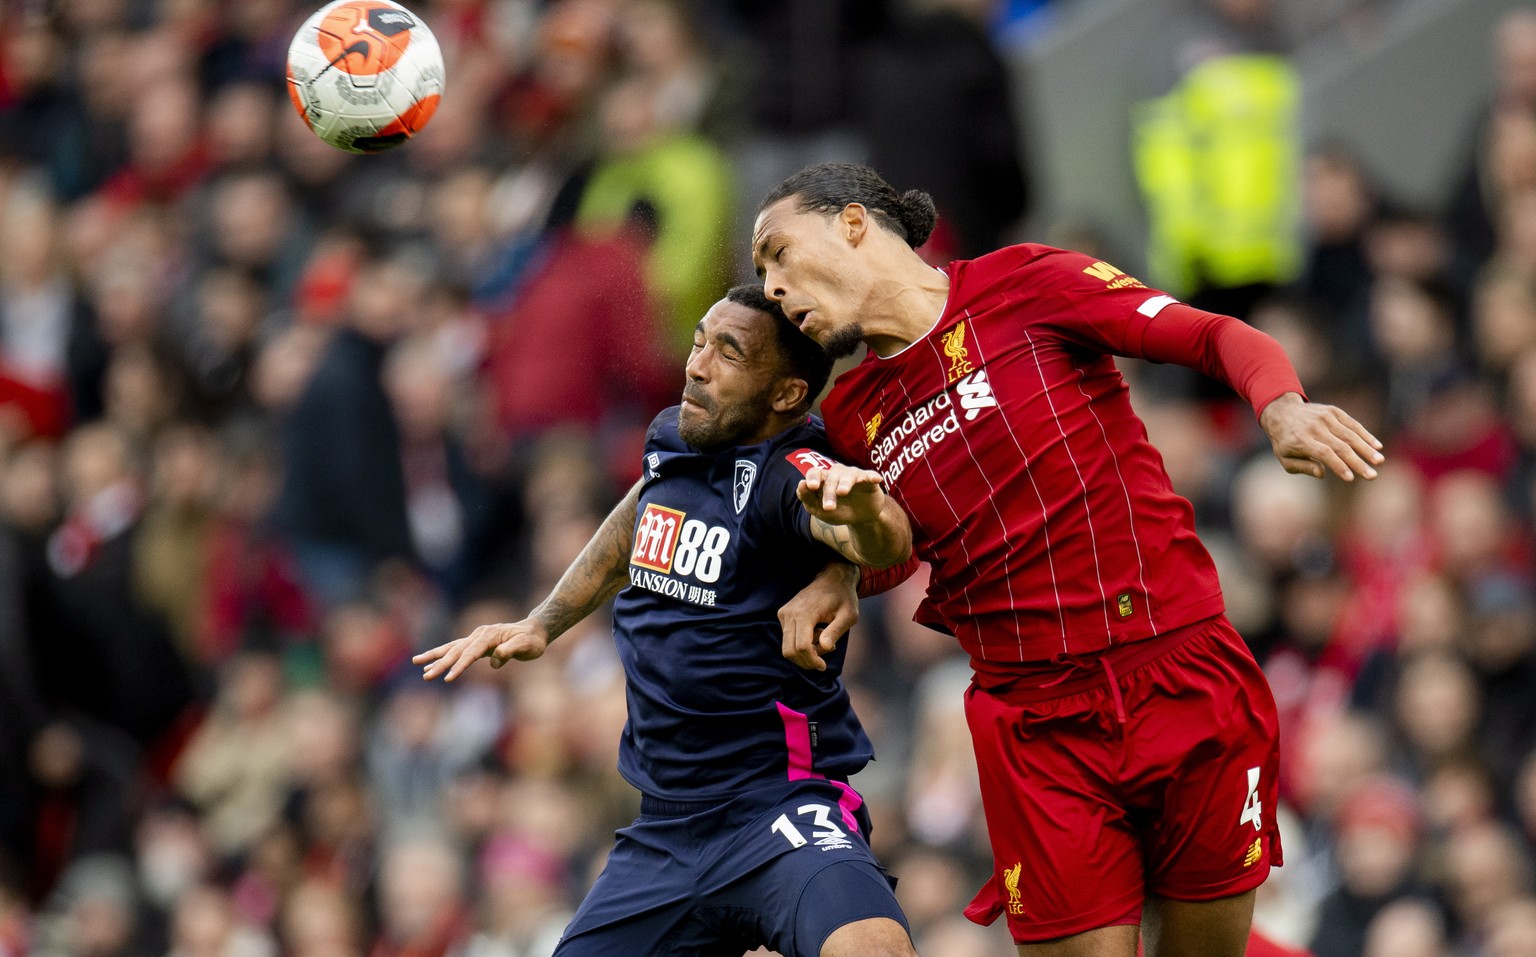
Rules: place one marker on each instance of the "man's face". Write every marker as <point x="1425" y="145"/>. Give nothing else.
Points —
<point x="811" y="269"/>
<point x="735" y="372"/>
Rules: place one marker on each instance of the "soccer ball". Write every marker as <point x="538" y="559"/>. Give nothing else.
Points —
<point x="366" y="75"/>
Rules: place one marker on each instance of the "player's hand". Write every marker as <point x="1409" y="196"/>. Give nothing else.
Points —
<point x="842" y="495"/>
<point x="523" y="640"/>
<point x="1312" y="439"/>
<point x="820" y="615"/>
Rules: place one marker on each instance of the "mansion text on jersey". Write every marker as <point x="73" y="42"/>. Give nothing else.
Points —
<point x="671" y="587"/>
<point x="911" y="437"/>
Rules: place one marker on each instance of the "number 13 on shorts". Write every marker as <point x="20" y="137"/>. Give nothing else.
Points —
<point x="1253" y="809"/>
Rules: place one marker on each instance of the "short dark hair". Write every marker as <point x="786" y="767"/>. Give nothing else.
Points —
<point x="804" y="358"/>
<point x="828" y="187"/>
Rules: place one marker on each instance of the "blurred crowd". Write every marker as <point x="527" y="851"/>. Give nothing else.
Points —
<point x="274" y="417"/>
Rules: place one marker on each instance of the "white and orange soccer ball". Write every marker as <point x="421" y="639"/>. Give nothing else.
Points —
<point x="366" y="75"/>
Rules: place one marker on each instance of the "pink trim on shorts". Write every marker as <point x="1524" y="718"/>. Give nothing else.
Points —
<point x="797" y="741"/>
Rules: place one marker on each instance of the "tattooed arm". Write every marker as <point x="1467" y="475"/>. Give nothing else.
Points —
<point x="596" y="575"/>
<point x="851" y="513"/>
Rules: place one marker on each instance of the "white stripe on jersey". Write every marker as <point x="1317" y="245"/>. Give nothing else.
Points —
<point x="1130" y="513"/>
<point x="1155" y="305"/>
<point x="928" y="464"/>
<point x="1045" y="518"/>
<point x="1002" y="523"/>
<point x="1093" y="539"/>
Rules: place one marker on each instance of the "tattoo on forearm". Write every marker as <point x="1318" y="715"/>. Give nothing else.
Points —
<point x="874" y="543"/>
<point x="837" y="536"/>
<point x="596" y="575"/>
<point x="860" y="547"/>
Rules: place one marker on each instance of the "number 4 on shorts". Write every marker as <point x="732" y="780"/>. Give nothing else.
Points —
<point x="1252" y="809"/>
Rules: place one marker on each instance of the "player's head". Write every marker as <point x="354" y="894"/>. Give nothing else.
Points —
<point x="750" y="374"/>
<point x="825" y="241"/>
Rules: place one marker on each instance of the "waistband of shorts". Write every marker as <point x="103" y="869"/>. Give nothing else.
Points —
<point x="657" y="807"/>
<point x="1068" y="674"/>
<point x="652" y="806"/>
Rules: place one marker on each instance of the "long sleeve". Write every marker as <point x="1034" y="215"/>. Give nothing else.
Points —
<point x="874" y="581"/>
<point x="1095" y="306"/>
<point x="1224" y="348"/>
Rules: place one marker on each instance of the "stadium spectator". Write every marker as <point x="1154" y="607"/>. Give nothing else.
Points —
<point x="1216" y="154"/>
<point x="936" y="54"/>
<point x="342" y="503"/>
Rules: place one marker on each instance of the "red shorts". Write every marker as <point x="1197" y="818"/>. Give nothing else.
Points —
<point x="1095" y="799"/>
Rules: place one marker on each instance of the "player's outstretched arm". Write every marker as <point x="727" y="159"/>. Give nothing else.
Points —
<point x="851" y="513"/>
<point x="596" y="575"/>
<point x="1313" y="439"/>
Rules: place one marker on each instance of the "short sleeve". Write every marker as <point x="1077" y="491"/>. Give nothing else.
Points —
<point x="780" y="505"/>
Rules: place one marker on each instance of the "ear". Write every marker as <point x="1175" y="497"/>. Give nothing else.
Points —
<point x="788" y="395"/>
<point x="853" y="223"/>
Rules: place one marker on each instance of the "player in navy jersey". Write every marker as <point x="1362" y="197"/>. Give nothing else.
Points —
<point x="1125" y="737"/>
<point x="749" y="833"/>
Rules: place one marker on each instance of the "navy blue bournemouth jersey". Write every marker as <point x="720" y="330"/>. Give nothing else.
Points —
<point x="721" y="542"/>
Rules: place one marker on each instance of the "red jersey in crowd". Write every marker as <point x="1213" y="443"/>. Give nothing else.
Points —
<point x="1008" y="436"/>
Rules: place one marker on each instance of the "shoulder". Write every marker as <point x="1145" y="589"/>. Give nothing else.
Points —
<point x="1040" y="272"/>
<point x="801" y="449"/>
<point x="662" y="435"/>
<point x="1041" y="263"/>
<point x="794" y="453"/>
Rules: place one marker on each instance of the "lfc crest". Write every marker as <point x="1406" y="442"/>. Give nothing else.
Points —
<point x="954" y="350"/>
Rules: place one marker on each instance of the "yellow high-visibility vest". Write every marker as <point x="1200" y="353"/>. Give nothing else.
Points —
<point x="1218" y="162"/>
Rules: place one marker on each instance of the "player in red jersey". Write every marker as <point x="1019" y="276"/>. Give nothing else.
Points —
<point x="1126" y="738"/>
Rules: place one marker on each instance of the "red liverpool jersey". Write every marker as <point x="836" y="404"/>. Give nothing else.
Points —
<point x="1007" y="435"/>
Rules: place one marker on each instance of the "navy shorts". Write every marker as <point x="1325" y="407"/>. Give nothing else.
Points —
<point x="781" y="868"/>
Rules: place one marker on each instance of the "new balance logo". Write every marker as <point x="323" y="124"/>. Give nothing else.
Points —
<point x="1255" y="851"/>
<point x="872" y="428"/>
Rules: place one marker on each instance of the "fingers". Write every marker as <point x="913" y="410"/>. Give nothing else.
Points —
<point x="432" y="654"/>
<point x="845" y="619"/>
<point x="449" y="660"/>
<point x="1329" y="440"/>
<point x="1302" y="466"/>
<point x="810" y="658"/>
<point x="464" y="660"/>
<point x="809" y="497"/>
<point x="441" y="658"/>
<point x="1355" y="446"/>
<point x="829" y="482"/>
<point x="1330" y="457"/>
<point x="521" y="647"/>
<point x="800" y="639"/>
<point x="1352" y="459"/>
<point x="822" y="490"/>
<point x="1361" y="432"/>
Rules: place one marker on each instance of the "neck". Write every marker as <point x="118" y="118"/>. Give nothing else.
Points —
<point x="774" y="424"/>
<point x="903" y="305"/>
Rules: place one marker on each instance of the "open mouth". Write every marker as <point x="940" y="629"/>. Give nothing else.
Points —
<point x="798" y="317"/>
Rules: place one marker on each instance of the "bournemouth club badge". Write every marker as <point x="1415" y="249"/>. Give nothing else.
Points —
<point x="746" y="471"/>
